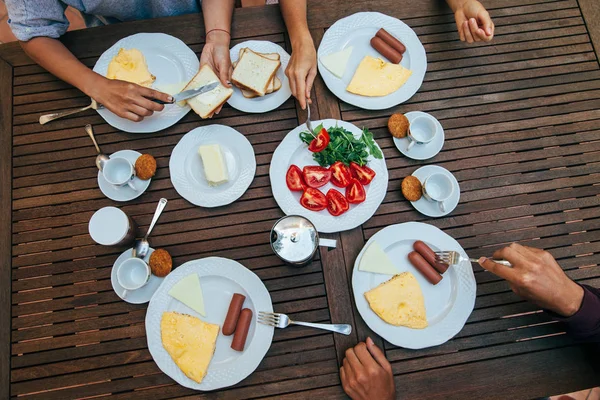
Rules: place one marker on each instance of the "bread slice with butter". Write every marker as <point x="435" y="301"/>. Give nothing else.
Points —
<point x="399" y="301"/>
<point x="190" y="342"/>
<point x="375" y="77"/>
<point x="254" y="72"/>
<point x="205" y="104"/>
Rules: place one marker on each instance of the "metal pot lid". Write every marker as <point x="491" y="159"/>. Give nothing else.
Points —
<point x="294" y="238"/>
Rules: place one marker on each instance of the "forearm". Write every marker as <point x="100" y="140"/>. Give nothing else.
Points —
<point x="217" y="18"/>
<point x="585" y="323"/>
<point x="52" y="55"/>
<point x="455" y="4"/>
<point x="294" y="15"/>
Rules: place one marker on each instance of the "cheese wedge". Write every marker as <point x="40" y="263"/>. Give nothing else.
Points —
<point x="130" y="66"/>
<point x="215" y="168"/>
<point x="189" y="292"/>
<point x="375" y="77"/>
<point x="205" y="104"/>
<point x="399" y="301"/>
<point x="336" y="62"/>
<point x="375" y="260"/>
<point x="190" y="342"/>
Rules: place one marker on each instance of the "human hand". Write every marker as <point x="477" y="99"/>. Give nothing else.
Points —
<point x="128" y="100"/>
<point x="473" y="22"/>
<point x="366" y="373"/>
<point x="536" y="276"/>
<point x="216" y="54"/>
<point x="302" y="69"/>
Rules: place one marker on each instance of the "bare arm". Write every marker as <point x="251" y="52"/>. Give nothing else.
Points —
<point x="302" y="68"/>
<point x="217" y="22"/>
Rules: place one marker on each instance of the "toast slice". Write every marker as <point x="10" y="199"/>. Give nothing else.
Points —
<point x="205" y="104"/>
<point x="254" y="72"/>
<point x="274" y="86"/>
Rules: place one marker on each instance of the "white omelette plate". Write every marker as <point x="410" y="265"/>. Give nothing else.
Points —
<point x="432" y="208"/>
<point x="187" y="171"/>
<point x="421" y="151"/>
<point x="141" y="295"/>
<point x="124" y="193"/>
<point x="272" y="100"/>
<point x="448" y="304"/>
<point x="357" y="30"/>
<point x="170" y="60"/>
<point x="293" y="151"/>
<point x="220" y="278"/>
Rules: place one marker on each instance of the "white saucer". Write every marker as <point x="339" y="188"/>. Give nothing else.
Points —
<point x="421" y="151"/>
<point x="141" y="295"/>
<point x="431" y="208"/>
<point x="124" y="193"/>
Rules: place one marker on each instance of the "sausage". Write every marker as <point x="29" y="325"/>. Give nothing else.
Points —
<point x="241" y="330"/>
<point x="424" y="268"/>
<point x="391" y="40"/>
<point x="386" y="50"/>
<point x="429" y="255"/>
<point x="237" y="301"/>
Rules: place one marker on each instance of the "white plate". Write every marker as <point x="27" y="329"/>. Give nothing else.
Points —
<point x="170" y="60"/>
<point x="187" y="171"/>
<point x="357" y="30"/>
<point x="141" y="295"/>
<point x="421" y="151"/>
<point x="272" y="100"/>
<point x="220" y="278"/>
<point x="293" y="151"/>
<point x="431" y="208"/>
<point x="448" y="304"/>
<point x="124" y="193"/>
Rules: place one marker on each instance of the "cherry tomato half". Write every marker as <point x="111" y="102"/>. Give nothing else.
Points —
<point x="336" y="203"/>
<point x="320" y="142"/>
<point x="294" y="180"/>
<point x="315" y="176"/>
<point x="363" y="174"/>
<point x="355" y="192"/>
<point x="313" y="199"/>
<point x="340" y="174"/>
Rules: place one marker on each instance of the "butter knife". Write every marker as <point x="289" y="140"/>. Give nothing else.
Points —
<point x="188" y="94"/>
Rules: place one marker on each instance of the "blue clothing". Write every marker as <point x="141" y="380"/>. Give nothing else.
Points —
<point x="32" y="18"/>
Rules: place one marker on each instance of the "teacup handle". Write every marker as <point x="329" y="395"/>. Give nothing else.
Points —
<point x="327" y="243"/>
<point x="124" y="293"/>
<point x="410" y="144"/>
<point x="442" y="206"/>
<point x="131" y="185"/>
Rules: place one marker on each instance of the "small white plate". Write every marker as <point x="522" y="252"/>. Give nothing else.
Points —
<point x="272" y="100"/>
<point x="123" y="193"/>
<point x="141" y="295"/>
<point x="292" y="150"/>
<point x="448" y="304"/>
<point x="187" y="171"/>
<point x="170" y="60"/>
<point x="432" y="208"/>
<point x="421" y="151"/>
<point x="356" y="31"/>
<point x="220" y="278"/>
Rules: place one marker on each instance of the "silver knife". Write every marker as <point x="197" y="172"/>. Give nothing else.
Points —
<point x="187" y="94"/>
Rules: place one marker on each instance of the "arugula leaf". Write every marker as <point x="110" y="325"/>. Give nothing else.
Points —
<point x="369" y="141"/>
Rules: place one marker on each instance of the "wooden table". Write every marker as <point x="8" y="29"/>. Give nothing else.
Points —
<point x="521" y="117"/>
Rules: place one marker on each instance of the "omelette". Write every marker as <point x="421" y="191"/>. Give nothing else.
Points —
<point x="399" y="301"/>
<point x="190" y="342"/>
<point x="130" y="66"/>
<point x="375" y="77"/>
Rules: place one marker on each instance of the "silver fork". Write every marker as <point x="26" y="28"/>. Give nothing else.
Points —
<point x="308" y="124"/>
<point x="454" y="257"/>
<point x="279" y="320"/>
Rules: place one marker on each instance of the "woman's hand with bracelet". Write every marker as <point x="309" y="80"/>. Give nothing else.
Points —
<point x="216" y="54"/>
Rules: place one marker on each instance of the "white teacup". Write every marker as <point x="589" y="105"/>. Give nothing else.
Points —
<point x="438" y="187"/>
<point x="132" y="274"/>
<point x="422" y="130"/>
<point x="119" y="172"/>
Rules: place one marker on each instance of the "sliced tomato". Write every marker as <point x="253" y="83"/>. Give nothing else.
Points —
<point x="294" y="180"/>
<point x="315" y="176"/>
<point x="336" y="203"/>
<point x="363" y="174"/>
<point x="355" y="192"/>
<point x="313" y="199"/>
<point x="320" y="142"/>
<point x="340" y="174"/>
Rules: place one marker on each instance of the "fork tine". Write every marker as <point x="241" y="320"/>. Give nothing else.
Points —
<point x="269" y="318"/>
<point x="265" y="322"/>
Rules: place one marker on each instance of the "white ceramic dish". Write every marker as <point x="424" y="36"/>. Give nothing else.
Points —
<point x="421" y="151"/>
<point x="431" y="208"/>
<point x="124" y="193"/>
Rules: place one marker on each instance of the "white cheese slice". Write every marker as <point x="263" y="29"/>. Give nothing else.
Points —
<point x="336" y="62"/>
<point x="215" y="168"/>
<point x="375" y="260"/>
<point x="189" y="292"/>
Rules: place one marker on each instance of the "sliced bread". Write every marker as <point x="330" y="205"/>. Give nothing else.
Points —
<point x="254" y="72"/>
<point x="205" y="104"/>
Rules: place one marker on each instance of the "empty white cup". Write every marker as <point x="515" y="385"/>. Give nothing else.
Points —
<point x="422" y="130"/>
<point x="110" y="226"/>
<point x="132" y="274"/>
<point x="119" y="172"/>
<point x="438" y="187"/>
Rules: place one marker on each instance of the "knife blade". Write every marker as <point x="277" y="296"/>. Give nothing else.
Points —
<point x="188" y="94"/>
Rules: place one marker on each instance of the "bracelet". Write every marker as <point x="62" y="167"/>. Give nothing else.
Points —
<point x="218" y="29"/>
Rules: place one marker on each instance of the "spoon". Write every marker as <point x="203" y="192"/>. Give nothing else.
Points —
<point x="101" y="158"/>
<point x="141" y="247"/>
